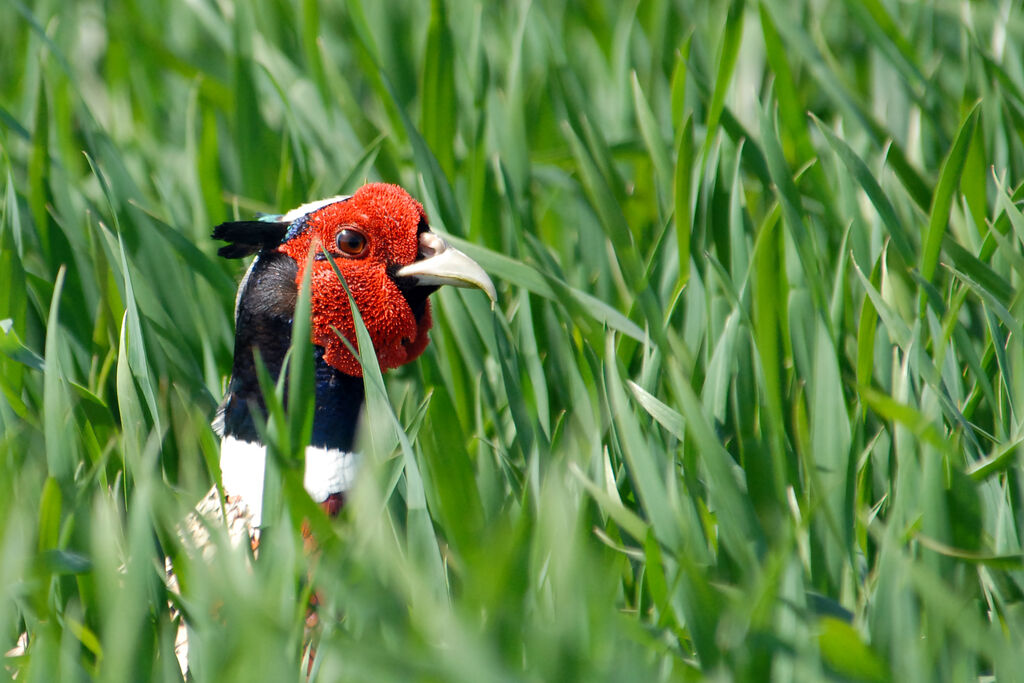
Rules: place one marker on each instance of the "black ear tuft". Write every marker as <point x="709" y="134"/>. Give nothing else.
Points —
<point x="248" y="237"/>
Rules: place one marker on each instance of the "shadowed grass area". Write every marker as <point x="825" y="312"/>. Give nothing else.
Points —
<point x="750" y="407"/>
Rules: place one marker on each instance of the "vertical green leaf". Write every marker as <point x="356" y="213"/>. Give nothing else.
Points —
<point x="61" y="451"/>
<point x="50" y="507"/>
<point x="301" y="387"/>
<point x="942" y="203"/>
<point x="681" y="199"/>
<point x="652" y="140"/>
<point x="830" y="445"/>
<point x="728" y="51"/>
<point x="438" y="89"/>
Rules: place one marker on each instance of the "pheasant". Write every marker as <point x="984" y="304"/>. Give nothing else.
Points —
<point x="379" y="239"/>
<point x="381" y="242"/>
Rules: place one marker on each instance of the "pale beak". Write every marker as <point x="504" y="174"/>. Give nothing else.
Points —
<point x="443" y="264"/>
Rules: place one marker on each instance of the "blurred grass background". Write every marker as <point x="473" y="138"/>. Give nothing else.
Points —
<point x="750" y="407"/>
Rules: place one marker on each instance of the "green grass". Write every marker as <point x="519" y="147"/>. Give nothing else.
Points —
<point x="751" y="405"/>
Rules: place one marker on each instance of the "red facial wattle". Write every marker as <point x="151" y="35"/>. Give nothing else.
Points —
<point x="390" y="220"/>
<point x="396" y="335"/>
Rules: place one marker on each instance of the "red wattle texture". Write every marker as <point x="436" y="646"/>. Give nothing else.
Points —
<point x="389" y="218"/>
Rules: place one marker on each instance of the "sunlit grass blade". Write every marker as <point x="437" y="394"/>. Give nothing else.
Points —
<point x="681" y="194"/>
<point x="61" y="455"/>
<point x="942" y="202"/>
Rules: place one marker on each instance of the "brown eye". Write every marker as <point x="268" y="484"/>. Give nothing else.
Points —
<point x="351" y="242"/>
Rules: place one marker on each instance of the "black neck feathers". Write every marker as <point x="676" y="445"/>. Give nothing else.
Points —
<point x="263" y="320"/>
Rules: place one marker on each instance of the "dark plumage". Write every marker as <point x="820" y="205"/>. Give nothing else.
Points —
<point x="248" y="237"/>
<point x="263" y="321"/>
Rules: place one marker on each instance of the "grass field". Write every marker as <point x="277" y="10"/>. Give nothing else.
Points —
<point x="751" y="405"/>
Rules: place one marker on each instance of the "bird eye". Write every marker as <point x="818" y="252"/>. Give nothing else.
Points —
<point x="351" y="242"/>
